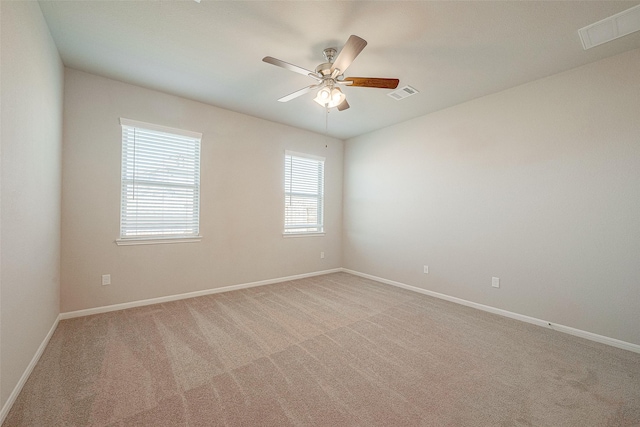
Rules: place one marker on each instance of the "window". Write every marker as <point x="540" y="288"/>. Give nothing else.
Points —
<point x="304" y="193"/>
<point x="160" y="196"/>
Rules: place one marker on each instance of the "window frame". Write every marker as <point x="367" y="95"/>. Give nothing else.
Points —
<point x="146" y="239"/>
<point x="320" y="196"/>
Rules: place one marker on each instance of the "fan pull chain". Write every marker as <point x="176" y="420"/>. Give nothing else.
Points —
<point x="326" y="125"/>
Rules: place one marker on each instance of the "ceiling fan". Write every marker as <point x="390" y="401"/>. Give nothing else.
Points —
<point x="330" y="75"/>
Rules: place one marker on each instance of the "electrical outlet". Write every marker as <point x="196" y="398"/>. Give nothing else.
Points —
<point x="106" y="279"/>
<point x="426" y="269"/>
<point x="495" y="282"/>
<point x="322" y="255"/>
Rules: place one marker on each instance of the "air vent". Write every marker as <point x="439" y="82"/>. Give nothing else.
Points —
<point x="402" y="93"/>
<point x="611" y="28"/>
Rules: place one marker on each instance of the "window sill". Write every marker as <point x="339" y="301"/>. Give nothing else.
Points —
<point x="156" y="241"/>
<point x="287" y="235"/>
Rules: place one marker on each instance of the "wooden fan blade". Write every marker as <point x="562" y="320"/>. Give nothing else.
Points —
<point x="343" y="105"/>
<point x="348" y="53"/>
<point x="290" y="67"/>
<point x="298" y="93"/>
<point x="373" y="82"/>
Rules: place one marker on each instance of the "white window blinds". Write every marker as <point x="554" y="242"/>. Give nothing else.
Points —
<point x="304" y="193"/>
<point x="160" y="195"/>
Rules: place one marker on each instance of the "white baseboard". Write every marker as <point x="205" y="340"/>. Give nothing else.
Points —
<point x="539" y="322"/>
<point x="27" y="372"/>
<point x="140" y="303"/>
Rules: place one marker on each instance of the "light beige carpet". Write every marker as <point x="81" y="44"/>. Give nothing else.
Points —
<point x="334" y="350"/>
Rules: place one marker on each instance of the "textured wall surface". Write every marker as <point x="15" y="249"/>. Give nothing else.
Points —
<point x="537" y="185"/>
<point x="32" y="90"/>
<point x="242" y="199"/>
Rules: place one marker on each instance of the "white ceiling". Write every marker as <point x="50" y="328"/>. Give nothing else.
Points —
<point x="212" y="51"/>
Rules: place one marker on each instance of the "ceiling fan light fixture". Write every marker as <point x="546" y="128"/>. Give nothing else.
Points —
<point x="330" y="98"/>
<point x="324" y="94"/>
<point x="337" y="95"/>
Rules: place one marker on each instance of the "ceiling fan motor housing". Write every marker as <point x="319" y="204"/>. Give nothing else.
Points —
<point x="325" y="68"/>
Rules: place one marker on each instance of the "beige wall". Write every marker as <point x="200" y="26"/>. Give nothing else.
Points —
<point x="242" y="199"/>
<point x="32" y="79"/>
<point x="538" y="185"/>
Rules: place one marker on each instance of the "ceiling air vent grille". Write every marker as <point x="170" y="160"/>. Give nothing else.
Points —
<point x="610" y="28"/>
<point x="402" y="93"/>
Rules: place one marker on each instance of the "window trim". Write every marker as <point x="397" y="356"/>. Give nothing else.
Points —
<point x="129" y="241"/>
<point x="159" y="128"/>
<point x="304" y="234"/>
<point x="294" y="234"/>
<point x="161" y="239"/>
